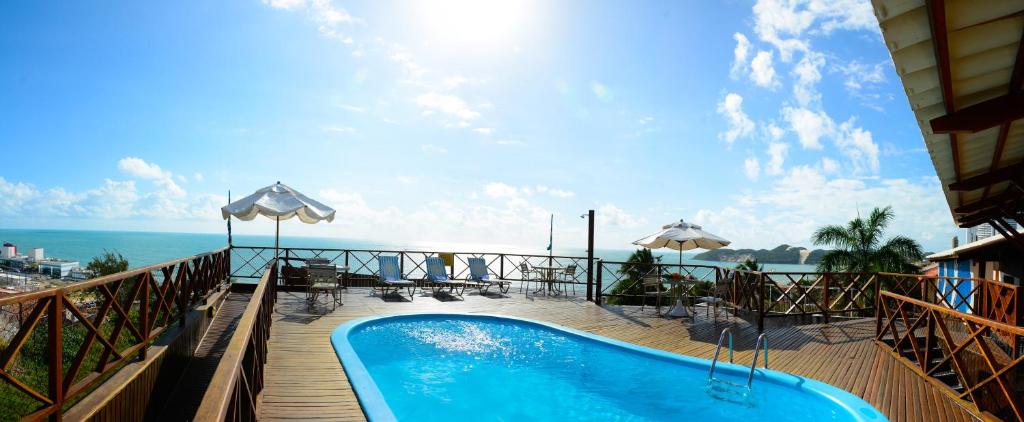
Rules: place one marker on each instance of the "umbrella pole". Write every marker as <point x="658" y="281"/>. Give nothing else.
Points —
<point x="277" y="237"/>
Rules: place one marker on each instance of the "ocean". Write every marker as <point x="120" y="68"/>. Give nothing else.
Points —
<point x="146" y="248"/>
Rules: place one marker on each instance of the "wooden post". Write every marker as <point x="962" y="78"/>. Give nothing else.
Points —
<point x="760" y="303"/>
<point x="597" y="286"/>
<point x="590" y="255"/>
<point x="55" y="346"/>
<point x="827" y="307"/>
<point x="144" y="313"/>
<point x="501" y="266"/>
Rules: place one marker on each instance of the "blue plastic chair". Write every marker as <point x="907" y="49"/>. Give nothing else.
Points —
<point x="479" y="276"/>
<point x="391" y="279"/>
<point x="437" y="278"/>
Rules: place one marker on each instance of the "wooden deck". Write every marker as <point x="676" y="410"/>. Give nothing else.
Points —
<point x="304" y="380"/>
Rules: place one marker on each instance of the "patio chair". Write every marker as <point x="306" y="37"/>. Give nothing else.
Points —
<point x="437" y="278"/>
<point x="294" y="276"/>
<point x="391" y="280"/>
<point x="719" y="291"/>
<point x="653" y="286"/>
<point x="322" y="279"/>
<point x="528" y="275"/>
<point x="568" y="277"/>
<point x="317" y="261"/>
<point x="481" y="279"/>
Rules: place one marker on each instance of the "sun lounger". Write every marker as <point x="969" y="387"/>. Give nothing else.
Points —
<point x="437" y="278"/>
<point x="391" y="279"/>
<point x="481" y="279"/>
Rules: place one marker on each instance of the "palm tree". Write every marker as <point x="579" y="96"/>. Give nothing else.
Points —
<point x="640" y="263"/>
<point x="859" y="246"/>
<point x="750" y="264"/>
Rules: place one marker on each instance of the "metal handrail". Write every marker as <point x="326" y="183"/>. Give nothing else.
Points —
<point x="761" y="340"/>
<point x="718" y="349"/>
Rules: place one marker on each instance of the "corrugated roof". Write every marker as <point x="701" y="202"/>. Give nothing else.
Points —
<point x="983" y="43"/>
<point x="955" y="252"/>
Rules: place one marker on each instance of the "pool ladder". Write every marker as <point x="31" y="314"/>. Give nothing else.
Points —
<point x="762" y="342"/>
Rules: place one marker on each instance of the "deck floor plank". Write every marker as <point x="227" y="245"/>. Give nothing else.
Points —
<point x="305" y="381"/>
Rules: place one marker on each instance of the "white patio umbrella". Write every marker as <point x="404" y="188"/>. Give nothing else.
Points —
<point x="278" y="202"/>
<point x="682" y="236"/>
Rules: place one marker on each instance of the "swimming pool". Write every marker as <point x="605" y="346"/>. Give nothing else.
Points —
<point x="434" y="367"/>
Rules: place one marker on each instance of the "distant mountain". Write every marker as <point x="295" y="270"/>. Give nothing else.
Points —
<point x="783" y="254"/>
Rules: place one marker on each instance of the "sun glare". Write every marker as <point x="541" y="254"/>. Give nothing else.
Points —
<point x="474" y="22"/>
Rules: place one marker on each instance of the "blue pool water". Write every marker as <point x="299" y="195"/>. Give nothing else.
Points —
<point x="443" y="367"/>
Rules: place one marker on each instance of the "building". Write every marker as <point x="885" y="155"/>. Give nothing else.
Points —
<point x="993" y="258"/>
<point x="986" y="230"/>
<point x="57" y="268"/>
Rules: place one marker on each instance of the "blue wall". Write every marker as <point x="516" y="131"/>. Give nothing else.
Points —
<point x="956" y="268"/>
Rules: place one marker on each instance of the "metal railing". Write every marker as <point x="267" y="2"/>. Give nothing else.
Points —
<point x="363" y="266"/>
<point x="59" y="343"/>
<point x="232" y="392"/>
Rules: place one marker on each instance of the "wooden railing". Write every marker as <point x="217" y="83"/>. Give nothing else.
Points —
<point x="251" y="260"/>
<point x="967" y="352"/>
<point x="238" y="380"/>
<point x="61" y="342"/>
<point x="1000" y="302"/>
<point x="755" y="293"/>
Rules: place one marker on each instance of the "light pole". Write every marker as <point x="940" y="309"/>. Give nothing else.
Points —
<point x="590" y="254"/>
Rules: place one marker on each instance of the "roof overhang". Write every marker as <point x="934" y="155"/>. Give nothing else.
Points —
<point x="961" y="63"/>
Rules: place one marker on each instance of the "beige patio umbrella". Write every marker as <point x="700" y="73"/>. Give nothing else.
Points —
<point x="682" y="236"/>
<point x="278" y="202"/>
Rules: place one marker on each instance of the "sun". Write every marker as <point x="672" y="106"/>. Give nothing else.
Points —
<point x="474" y="22"/>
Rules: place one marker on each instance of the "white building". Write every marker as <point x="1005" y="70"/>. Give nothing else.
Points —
<point x="985" y="230"/>
<point x="36" y="254"/>
<point x="55" y="268"/>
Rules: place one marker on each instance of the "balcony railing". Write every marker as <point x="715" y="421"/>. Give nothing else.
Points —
<point x="250" y="262"/>
<point x="978" y="358"/>
<point x="59" y="343"/>
<point x="238" y="380"/>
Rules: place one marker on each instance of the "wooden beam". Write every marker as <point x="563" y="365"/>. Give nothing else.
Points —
<point x="1012" y="173"/>
<point x="992" y="202"/>
<point x="940" y="40"/>
<point x="990" y="113"/>
<point x="984" y="216"/>
<point x="1009" y="233"/>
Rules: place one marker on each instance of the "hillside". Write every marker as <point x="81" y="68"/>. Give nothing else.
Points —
<point x="783" y="254"/>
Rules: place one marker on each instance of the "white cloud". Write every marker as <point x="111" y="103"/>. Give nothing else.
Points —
<point x="762" y="72"/>
<point x="810" y="126"/>
<point x="14" y="196"/>
<point x="447" y="104"/>
<point x="557" y="193"/>
<point x="285" y="4"/>
<point x="858" y="146"/>
<point x="740" y="126"/>
<point x="197" y="176"/>
<point x="739" y="55"/>
<point x="861" y="75"/>
<point x="808" y="74"/>
<point x="828" y="165"/>
<point x="602" y="92"/>
<point x="773" y="132"/>
<point x="352" y="108"/>
<point x="139" y="168"/>
<point x="510" y="142"/>
<point x="777" y="157"/>
<point x="484" y="130"/>
<point x="407" y="180"/>
<point x="613" y="216"/>
<point x="752" y="168"/>
<point x="434" y="149"/>
<point x="795" y="203"/>
<point x="783" y="23"/>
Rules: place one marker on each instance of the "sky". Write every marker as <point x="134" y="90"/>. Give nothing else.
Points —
<point x="462" y="121"/>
